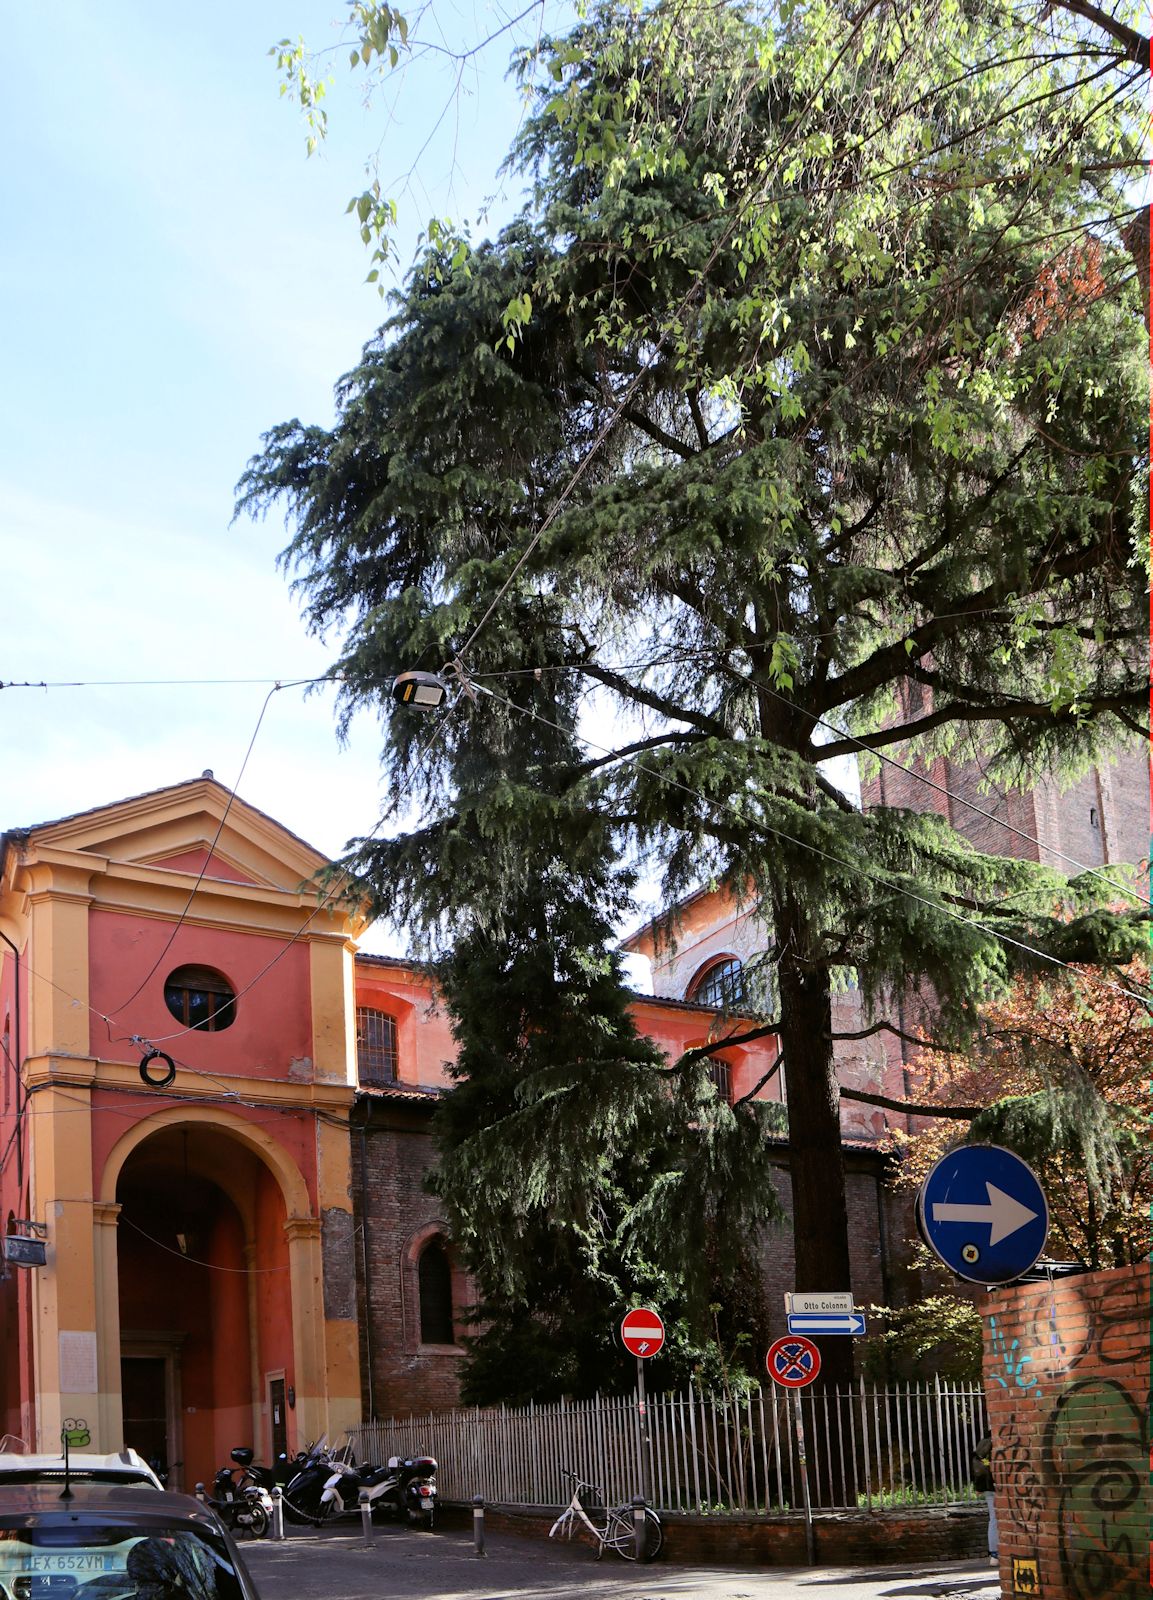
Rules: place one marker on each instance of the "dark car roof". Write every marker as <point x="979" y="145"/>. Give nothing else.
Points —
<point x="134" y="1502"/>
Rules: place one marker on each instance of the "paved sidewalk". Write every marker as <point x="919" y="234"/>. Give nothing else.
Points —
<point x="410" y="1565"/>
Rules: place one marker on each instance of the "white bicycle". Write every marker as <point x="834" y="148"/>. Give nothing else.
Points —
<point x="617" y="1531"/>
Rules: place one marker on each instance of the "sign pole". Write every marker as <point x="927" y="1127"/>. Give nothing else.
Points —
<point x="643" y="1416"/>
<point x="802" y="1458"/>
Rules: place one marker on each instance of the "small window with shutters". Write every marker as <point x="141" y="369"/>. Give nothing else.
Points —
<point x="434" y="1281"/>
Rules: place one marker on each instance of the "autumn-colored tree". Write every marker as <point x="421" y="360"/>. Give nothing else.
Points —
<point x="1060" y="1073"/>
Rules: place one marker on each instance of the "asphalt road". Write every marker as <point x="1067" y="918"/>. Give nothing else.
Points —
<point x="410" y="1565"/>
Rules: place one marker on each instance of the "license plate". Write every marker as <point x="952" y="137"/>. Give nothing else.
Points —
<point x="69" y="1561"/>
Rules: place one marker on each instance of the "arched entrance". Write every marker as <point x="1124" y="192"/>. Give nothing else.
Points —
<point x="204" y="1291"/>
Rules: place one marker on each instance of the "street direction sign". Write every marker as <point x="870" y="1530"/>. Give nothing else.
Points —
<point x="642" y="1333"/>
<point x="823" y="1304"/>
<point x="983" y="1212"/>
<point x="826" y="1322"/>
<point x="793" y="1362"/>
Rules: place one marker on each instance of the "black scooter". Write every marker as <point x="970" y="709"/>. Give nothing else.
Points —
<point x="243" y="1502"/>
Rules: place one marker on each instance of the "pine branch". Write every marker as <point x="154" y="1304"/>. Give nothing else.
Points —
<point x="699" y="1052"/>
<point x="655" y="432"/>
<point x="760" y="1083"/>
<point x="657" y="742"/>
<point x="889" y="1027"/>
<point x="655" y="702"/>
<point x="1009" y="711"/>
<point x="954" y="1113"/>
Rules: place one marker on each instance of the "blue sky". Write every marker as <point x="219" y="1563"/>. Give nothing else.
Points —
<point x="178" y="277"/>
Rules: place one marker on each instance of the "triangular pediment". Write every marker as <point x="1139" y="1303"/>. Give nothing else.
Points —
<point x="187" y="828"/>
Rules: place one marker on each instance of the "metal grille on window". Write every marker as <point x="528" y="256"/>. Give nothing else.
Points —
<point x="720" y="985"/>
<point x="434" y="1279"/>
<point x="375" y="1046"/>
<point x="721" y="1075"/>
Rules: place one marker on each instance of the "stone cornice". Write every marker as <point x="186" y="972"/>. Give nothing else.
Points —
<point x="301" y="1228"/>
<point x="93" y="1072"/>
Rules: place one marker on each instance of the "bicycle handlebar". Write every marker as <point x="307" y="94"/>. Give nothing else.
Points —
<point x="580" y="1483"/>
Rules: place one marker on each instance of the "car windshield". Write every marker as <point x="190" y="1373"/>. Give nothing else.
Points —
<point x="109" y="1562"/>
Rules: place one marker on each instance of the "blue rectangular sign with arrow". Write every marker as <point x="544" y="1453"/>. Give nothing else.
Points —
<point x="818" y="1322"/>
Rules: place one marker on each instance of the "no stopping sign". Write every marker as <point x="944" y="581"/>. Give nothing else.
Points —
<point x="793" y="1362"/>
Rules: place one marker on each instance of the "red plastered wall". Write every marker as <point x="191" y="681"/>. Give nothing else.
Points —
<point x="273" y="1026"/>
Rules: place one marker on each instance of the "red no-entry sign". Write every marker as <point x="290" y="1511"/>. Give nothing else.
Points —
<point x="793" y="1362"/>
<point x="642" y="1332"/>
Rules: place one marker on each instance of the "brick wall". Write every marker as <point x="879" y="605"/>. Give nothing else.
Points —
<point x="1067" y="1375"/>
<point x="881" y="1228"/>
<point x="926" y="1534"/>
<point x="394" y="1217"/>
<point x="395" y="1220"/>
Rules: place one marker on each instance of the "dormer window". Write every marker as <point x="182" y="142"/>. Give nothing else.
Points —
<point x="719" y="985"/>
<point x="375" y="1047"/>
<point x="201" y="998"/>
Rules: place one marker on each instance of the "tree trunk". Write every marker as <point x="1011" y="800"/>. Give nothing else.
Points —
<point x="817" y="1171"/>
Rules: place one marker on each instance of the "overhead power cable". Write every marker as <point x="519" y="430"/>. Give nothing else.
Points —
<point x="166" y="683"/>
<point x="338" y="887"/>
<point x="952" y="794"/>
<point x="876" y="874"/>
<point x="209" y="852"/>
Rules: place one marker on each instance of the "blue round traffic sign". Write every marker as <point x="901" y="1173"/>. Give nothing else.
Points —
<point x="982" y="1210"/>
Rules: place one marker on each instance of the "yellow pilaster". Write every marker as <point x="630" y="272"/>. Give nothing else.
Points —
<point x="58" y="1017"/>
<point x="65" y="1306"/>
<point x="333" y="1010"/>
<point x="110" y="1412"/>
<point x="304" y="1267"/>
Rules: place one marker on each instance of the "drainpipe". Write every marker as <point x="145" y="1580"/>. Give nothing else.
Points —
<point x="364" y="1265"/>
<point x="16" y="1070"/>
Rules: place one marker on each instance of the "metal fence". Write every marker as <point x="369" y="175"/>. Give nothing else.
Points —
<point x="845" y="1449"/>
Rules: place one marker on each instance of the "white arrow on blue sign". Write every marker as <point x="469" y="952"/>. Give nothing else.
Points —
<point x="983" y="1211"/>
<point x="818" y="1322"/>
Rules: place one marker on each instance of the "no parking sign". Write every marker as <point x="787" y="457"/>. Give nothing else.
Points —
<point x="793" y="1362"/>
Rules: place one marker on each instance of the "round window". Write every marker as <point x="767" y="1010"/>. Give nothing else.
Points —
<point x="200" y="997"/>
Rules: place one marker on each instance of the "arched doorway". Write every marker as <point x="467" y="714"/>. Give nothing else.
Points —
<point x="205" y="1299"/>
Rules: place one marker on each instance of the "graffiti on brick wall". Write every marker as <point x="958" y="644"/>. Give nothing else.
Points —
<point x="1095" y="1453"/>
<point x="1017" y="1478"/>
<point x="1072" y="1446"/>
<point x="1012" y="1360"/>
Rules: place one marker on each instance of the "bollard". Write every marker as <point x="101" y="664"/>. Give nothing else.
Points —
<point x="277" y="1513"/>
<point x="478" y="1524"/>
<point x="200" y="1495"/>
<point x="639" y="1540"/>
<point x="366" y="1517"/>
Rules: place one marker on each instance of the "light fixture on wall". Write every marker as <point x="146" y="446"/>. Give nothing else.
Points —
<point x="290" y="1396"/>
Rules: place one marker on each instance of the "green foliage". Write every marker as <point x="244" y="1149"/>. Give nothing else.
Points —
<point x="806" y="393"/>
<point x="939" y="1335"/>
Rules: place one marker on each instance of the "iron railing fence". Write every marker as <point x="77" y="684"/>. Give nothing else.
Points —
<point x="852" y="1449"/>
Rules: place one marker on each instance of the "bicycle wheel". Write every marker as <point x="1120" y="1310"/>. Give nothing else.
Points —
<point x="621" y="1536"/>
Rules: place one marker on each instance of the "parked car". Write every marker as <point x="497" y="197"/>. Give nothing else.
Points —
<point x="114" y="1542"/>
<point x="120" y="1466"/>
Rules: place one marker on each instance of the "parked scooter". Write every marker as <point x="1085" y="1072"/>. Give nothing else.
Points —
<point x="240" y="1495"/>
<point x="307" y="1476"/>
<point x="404" y="1487"/>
